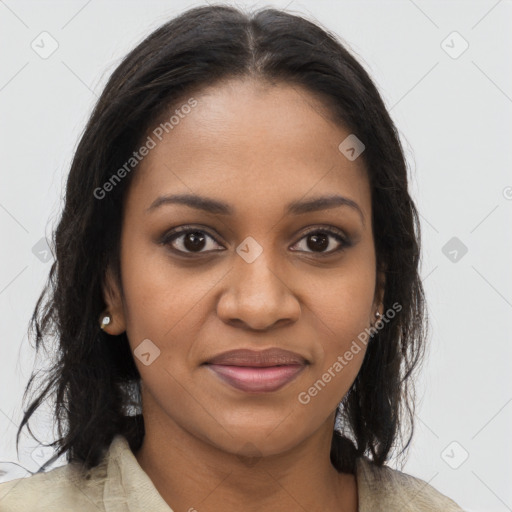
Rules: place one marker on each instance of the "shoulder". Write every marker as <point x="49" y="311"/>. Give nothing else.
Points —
<point x="64" y="487"/>
<point x="383" y="488"/>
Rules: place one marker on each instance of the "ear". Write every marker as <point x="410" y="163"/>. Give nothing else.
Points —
<point x="114" y="305"/>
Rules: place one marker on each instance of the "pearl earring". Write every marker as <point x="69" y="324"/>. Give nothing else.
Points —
<point x="105" y="321"/>
<point x="377" y="315"/>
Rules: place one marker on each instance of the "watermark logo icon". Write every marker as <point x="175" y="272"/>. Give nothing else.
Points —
<point x="45" y="45"/>
<point x="351" y="147"/>
<point x="249" y="249"/>
<point x="454" y="45"/>
<point x="146" y="352"/>
<point x="41" y="454"/>
<point x="253" y="458"/>
<point x="454" y="249"/>
<point x="454" y="455"/>
<point x="42" y="251"/>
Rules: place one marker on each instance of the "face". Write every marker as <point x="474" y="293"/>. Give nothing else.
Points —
<point x="256" y="264"/>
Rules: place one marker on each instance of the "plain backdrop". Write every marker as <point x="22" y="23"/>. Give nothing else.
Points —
<point x="444" y="71"/>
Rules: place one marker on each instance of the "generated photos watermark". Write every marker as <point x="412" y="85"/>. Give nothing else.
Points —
<point x="151" y="142"/>
<point x="304" y="397"/>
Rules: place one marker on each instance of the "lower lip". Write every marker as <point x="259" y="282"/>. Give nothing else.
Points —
<point x="256" y="380"/>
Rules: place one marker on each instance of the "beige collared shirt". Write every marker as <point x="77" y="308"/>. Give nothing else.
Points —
<point x="119" y="484"/>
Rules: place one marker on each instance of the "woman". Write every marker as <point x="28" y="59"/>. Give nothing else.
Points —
<point x="236" y="290"/>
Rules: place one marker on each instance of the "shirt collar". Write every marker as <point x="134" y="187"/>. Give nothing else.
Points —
<point x="128" y="487"/>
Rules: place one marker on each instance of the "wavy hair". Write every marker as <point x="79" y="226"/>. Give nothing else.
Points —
<point x="93" y="382"/>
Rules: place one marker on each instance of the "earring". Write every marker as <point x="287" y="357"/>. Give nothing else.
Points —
<point x="105" y="321"/>
<point x="377" y="316"/>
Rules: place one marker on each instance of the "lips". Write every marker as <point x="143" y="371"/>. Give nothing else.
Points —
<point x="257" y="371"/>
<point x="261" y="358"/>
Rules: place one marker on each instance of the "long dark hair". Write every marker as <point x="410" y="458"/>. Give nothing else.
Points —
<point x="93" y="380"/>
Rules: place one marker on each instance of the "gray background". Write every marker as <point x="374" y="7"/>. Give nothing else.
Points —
<point x="453" y="111"/>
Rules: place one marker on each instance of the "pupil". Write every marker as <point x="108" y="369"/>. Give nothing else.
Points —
<point x="319" y="240"/>
<point x="194" y="241"/>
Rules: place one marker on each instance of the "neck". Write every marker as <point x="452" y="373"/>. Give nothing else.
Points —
<point x="193" y="474"/>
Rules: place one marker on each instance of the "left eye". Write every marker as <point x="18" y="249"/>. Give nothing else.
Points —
<point x="321" y="239"/>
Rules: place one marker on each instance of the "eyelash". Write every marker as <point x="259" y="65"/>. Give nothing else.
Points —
<point x="173" y="235"/>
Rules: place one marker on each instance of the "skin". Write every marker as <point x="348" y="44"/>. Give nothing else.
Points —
<point x="209" y="446"/>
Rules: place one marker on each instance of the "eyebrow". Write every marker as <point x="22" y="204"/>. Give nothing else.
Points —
<point x="215" y="206"/>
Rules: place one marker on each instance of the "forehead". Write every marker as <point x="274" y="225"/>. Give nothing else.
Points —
<point x="246" y="139"/>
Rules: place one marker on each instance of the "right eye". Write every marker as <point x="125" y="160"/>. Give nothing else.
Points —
<point x="189" y="240"/>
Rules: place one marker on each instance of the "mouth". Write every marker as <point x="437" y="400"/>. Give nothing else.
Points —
<point x="257" y="371"/>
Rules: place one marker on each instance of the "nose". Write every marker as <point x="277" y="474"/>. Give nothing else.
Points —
<point x="257" y="297"/>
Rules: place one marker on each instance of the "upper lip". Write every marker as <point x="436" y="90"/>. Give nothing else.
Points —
<point x="258" y="358"/>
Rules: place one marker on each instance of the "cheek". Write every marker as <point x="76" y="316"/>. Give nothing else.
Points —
<point x="341" y="309"/>
<point x="159" y="297"/>
<point x="343" y="300"/>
